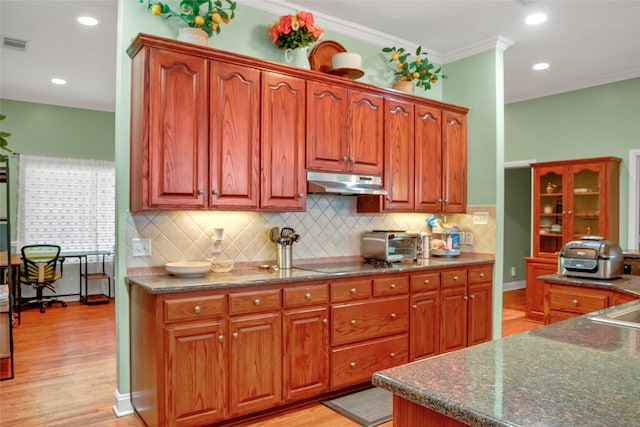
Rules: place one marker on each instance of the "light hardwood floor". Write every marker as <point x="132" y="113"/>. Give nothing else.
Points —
<point x="65" y="371"/>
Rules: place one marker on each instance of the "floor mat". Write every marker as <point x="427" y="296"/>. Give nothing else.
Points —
<point x="368" y="408"/>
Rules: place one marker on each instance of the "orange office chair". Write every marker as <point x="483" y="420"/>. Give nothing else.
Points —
<point x="39" y="270"/>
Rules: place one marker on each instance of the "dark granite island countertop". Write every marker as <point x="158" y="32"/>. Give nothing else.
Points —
<point x="571" y="373"/>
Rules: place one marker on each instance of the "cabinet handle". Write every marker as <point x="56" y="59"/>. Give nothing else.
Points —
<point x="353" y="160"/>
<point x="256" y="301"/>
<point x="426" y="282"/>
<point x="201" y="191"/>
<point x="353" y="322"/>
<point x="389" y="199"/>
<point x="455" y="277"/>
<point x="352" y="364"/>
<point x="300" y="195"/>
<point x="446" y="201"/>
<point x="473" y="296"/>
<point x="466" y="298"/>
<point x="307" y="295"/>
<point x="439" y="200"/>
<point x="215" y="192"/>
<point x="575" y="302"/>
<point x="569" y="212"/>
<point x="196" y="309"/>
<point x="353" y="290"/>
<point x="415" y="306"/>
<point x="345" y="159"/>
<point x="235" y="335"/>
<point x="325" y="321"/>
<point x="393" y="286"/>
<point x="220" y="338"/>
<point x="392" y="354"/>
<point x="482" y="275"/>
<point x="393" y="315"/>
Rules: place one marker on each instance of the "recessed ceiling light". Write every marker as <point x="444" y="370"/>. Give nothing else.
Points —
<point x="535" y="18"/>
<point x="540" y="66"/>
<point x="88" y="20"/>
<point x="57" y="81"/>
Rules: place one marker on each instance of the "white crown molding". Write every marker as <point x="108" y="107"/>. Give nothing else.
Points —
<point x="494" y="43"/>
<point x="569" y="87"/>
<point x="341" y="26"/>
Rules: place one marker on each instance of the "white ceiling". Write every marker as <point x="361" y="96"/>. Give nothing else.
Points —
<point x="587" y="42"/>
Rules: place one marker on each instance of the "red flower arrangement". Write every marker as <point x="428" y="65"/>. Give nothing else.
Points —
<point x="292" y="31"/>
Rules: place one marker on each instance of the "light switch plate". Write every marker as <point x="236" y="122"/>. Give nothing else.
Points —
<point x="141" y="247"/>
<point x="481" y="218"/>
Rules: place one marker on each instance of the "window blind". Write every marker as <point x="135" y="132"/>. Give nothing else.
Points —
<point x="67" y="202"/>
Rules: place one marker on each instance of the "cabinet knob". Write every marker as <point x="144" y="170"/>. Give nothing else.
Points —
<point x="446" y="200"/>
<point x="415" y="306"/>
<point x="389" y="199"/>
<point x="473" y="296"/>
<point x="215" y="192"/>
<point x="256" y="301"/>
<point x="300" y="195"/>
<point x="393" y="286"/>
<point x="220" y="338"/>
<point x="482" y="275"/>
<point x="235" y="335"/>
<point x="466" y="298"/>
<point x="345" y="159"/>
<point x="569" y="212"/>
<point x="439" y="200"/>
<point x="196" y="309"/>
<point x="426" y="282"/>
<point x="455" y="277"/>
<point x="352" y="364"/>
<point x="353" y="290"/>
<point x="325" y="321"/>
<point x="575" y="302"/>
<point x="201" y="191"/>
<point x="353" y="160"/>
<point x="353" y="322"/>
<point x="392" y="354"/>
<point x="307" y="295"/>
<point x="393" y="315"/>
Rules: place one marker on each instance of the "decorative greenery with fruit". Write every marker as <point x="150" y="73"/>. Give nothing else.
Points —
<point x="4" y="144"/>
<point x="419" y="70"/>
<point x="204" y="14"/>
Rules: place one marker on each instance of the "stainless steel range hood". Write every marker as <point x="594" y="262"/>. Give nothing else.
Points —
<point x="345" y="184"/>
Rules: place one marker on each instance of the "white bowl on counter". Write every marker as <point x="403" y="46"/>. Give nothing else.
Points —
<point x="188" y="268"/>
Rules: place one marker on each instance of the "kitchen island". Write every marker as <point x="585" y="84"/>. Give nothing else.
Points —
<point x="571" y="373"/>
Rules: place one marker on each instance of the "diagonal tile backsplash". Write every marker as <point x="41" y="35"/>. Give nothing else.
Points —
<point x="330" y="227"/>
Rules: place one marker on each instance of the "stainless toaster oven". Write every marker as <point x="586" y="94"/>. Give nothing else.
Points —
<point x="592" y="257"/>
<point x="389" y="245"/>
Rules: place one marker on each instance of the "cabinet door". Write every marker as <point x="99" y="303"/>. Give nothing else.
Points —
<point x="327" y="131"/>
<point x="587" y="218"/>
<point x="366" y="133"/>
<point x="428" y="159"/>
<point x="534" y="297"/>
<point x="178" y="118"/>
<point x="453" y="319"/>
<point x="255" y="363"/>
<point x="399" y="160"/>
<point x="283" y="143"/>
<point x="234" y="137"/>
<point x="424" y="329"/>
<point x="479" y="314"/>
<point x="195" y="374"/>
<point x="549" y="211"/>
<point x="305" y="372"/>
<point x="454" y="162"/>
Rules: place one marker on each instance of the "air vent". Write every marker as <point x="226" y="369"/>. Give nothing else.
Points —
<point x="12" y="43"/>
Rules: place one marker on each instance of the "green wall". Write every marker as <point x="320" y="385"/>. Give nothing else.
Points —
<point x="517" y="222"/>
<point x="598" y="121"/>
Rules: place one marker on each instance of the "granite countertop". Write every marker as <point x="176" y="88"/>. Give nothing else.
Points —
<point x="628" y="284"/>
<point x="167" y="283"/>
<point x="571" y="373"/>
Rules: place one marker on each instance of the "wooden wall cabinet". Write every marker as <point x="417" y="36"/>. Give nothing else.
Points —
<point x="344" y="129"/>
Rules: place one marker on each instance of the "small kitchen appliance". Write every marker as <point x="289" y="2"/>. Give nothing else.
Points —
<point x="592" y="257"/>
<point x="389" y="245"/>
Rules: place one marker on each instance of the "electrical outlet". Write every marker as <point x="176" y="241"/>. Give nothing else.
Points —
<point x="513" y="271"/>
<point x="141" y="247"/>
<point x="469" y="238"/>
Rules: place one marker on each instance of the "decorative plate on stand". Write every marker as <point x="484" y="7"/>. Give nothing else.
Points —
<point x="320" y="56"/>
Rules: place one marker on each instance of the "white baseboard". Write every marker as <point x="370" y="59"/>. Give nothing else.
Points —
<point x="122" y="404"/>
<point x="511" y="286"/>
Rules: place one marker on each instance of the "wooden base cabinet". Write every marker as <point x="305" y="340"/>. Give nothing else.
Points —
<point x="534" y="293"/>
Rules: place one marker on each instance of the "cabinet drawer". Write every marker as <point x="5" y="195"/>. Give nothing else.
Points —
<point x="254" y="302"/>
<point x="350" y="289"/>
<point x="390" y="286"/>
<point x="176" y="310"/>
<point x="365" y="320"/>
<point x="355" y="364"/>
<point x="577" y="300"/>
<point x="453" y="278"/>
<point x="425" y="282"/>
<point x="480" y="274"/>
<point x="300" y="296"/>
